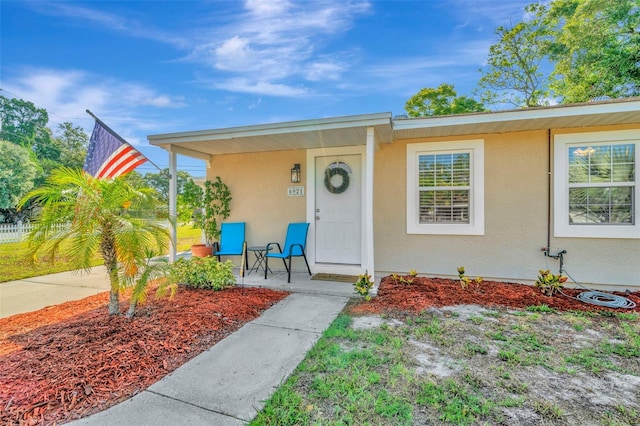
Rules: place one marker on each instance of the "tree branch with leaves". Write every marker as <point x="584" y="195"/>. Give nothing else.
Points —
<point x="443" y="100"/>
<point x="514" y="73"/>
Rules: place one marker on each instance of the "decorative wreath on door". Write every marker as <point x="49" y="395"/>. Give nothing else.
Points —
<point x="337" y="168"/>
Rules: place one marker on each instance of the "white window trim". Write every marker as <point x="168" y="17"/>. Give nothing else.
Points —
<point x="476" y="194"/>
<point x="562" y="228"/>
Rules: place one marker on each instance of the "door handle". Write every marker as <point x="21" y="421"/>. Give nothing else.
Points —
<point x="317" y="217"/>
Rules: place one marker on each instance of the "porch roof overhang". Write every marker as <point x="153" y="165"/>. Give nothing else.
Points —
<point x="352" y="130"/>
<point x="304" y="134"/>
<point x="604" y="113"/>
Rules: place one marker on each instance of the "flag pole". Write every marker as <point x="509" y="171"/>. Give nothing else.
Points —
<point x="121" y="139"/>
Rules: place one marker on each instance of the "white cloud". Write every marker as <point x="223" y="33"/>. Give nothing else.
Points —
<point x="245" y="85"/>
<point x="61" y="93"/>
<point x="139" y="95"/>
<point x="255" y="104"/>
<point x="488" y="13"/>
<point x="234" y="54"/>
<point x="67" y="94"/>
<point x="267" y="8"/>
<point x="402" y="67"/>
<point x="269" y="47"/>
<point x="276" y="42"/>
<point x="456" y="63"/>
<point x="110" y="21"/>
<point x="317" y="71"/>
<point x="280" y="47"/>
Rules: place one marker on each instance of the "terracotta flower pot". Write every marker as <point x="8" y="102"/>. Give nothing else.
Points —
<point x="201" y="250"/>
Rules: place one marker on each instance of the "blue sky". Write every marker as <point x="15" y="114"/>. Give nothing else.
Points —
<point x="148" y="67"/>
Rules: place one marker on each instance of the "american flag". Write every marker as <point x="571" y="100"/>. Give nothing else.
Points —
<point x="109" y="155"/>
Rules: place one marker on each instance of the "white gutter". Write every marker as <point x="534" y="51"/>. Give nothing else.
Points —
<point x="321" y="124"/>
<point x="560" y="111"/>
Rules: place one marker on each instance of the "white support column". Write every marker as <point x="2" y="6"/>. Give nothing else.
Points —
<point x="173" y="196"/>
<point x="368" y="203"/>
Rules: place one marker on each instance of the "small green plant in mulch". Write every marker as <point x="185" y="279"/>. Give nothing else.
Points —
<point x="203" y="272"/>
<point x="407" y="279"/>
<point x="465" y="281"/>
<point x="363" y="285"/>
<point x="549" y="283"/>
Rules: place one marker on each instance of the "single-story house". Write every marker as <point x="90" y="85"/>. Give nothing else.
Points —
<point x="488" y="191"/>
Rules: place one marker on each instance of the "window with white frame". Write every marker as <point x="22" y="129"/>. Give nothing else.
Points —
<point x="596" y="191"/>
<point x="445" y="188"/>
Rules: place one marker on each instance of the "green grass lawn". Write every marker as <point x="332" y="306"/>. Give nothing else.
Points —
<point x="187" y="236"/>
<point x="493" y="367"/>
<point x="15" y="266"/>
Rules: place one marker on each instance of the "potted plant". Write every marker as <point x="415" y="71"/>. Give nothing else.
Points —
<point x="211" y="207"/>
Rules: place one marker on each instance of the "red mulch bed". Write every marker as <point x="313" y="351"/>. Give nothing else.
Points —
<point x="423" y="293"/>
<point x="68" y="361"/>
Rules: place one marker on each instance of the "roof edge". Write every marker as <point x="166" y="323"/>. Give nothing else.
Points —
<point x="375" y="119"/>
<point x="556" y="111"/>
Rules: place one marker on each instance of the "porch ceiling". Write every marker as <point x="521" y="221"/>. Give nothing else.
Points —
<point x="329" y="132"/>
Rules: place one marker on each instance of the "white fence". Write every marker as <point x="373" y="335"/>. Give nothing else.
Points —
<point x="16" y="232"/>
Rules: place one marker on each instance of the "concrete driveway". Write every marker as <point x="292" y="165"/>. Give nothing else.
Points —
<point x="35" y="293"/>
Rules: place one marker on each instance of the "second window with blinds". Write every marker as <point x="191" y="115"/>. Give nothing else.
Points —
<point x="445" y="188"/>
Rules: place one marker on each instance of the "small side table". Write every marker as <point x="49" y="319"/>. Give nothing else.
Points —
<point x="260" y="262"/>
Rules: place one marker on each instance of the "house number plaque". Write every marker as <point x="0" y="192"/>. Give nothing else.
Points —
<point x="295" y="191"/>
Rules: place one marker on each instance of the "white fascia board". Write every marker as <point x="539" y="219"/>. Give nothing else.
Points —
<point x="365" y="120"/>
<point x="519" y="115"/>
<point x="186" y="152"/>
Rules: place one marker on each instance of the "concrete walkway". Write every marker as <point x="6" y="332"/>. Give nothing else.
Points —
<point x="229" y="383"/>
<point x="225" y="385"/>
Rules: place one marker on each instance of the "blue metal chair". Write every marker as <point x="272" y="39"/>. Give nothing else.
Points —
<point x="294" y="244"/>
<point x="232" y="242"/>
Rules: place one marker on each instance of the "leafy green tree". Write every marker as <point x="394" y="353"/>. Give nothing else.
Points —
<point x="186" y="191"/>
<point x="95" y="216"/>
<point x="26" y="125"/>
<point x="514" y="72"/>
<point x="135" y="179"/>
<point x="442" y="100"/>
<point x="160" y="182"/>
<point x="596" y="48"/>
<point x="23" y="123"/>
<point x="189" y="194"/>
<point x="17" y="174"/>
<point x="72" y="142"/>
<point x="574" y="50"/>
<point x="47" y="152"/>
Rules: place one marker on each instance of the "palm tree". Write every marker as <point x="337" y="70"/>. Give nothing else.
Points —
<point x="98" y="216"/>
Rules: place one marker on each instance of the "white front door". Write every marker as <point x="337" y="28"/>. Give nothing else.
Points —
<point x="338" y="209"/>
